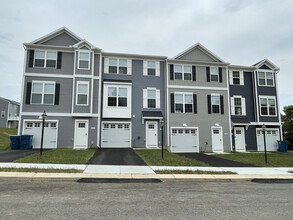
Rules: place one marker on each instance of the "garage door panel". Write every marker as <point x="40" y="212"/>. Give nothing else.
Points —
<point x="184" y="140"/>
<point x="116" y="135"/>
<point x="272" y="136"/>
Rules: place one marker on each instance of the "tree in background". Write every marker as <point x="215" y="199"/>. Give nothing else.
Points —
<point x="287" y="122"/>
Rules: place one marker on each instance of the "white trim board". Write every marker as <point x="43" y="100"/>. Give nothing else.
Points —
<point x="198" y="87"/>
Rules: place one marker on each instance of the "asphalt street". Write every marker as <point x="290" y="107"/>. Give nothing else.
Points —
<point x="165" y="200"/>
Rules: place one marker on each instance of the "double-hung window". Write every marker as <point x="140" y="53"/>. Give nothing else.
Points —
<point x="82" y="93"/>
<point x="187" y="73"/>
<point x="268" y="106"/>
<point x="46" y="59"/>
<point x="117" y="97"/>
<point x="178" y="72"/>
<point x="43" y="93"/>
<point x="214" y="72"/>
<point x="238" y="106"/>
<point x="265" y="78"/>
<point x="151" y="98"/>
<point x="118" y="66"/>
<point x="236" y="77"/>
<point x="182" y="72"/>
<point x="215" y="101"/>
<point x="183" y="103"/>
<point x="84" y="60"/>
<point x="151" y="68"/>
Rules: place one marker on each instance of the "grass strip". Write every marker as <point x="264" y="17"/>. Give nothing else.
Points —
<point x="152" y="157"/>
<point x="193" y="172"/>
<point x="38" y="170"/>
<point x="5" y="137"/>
<point x="59" y="156"/>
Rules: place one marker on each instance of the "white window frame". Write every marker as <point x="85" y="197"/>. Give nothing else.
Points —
<point x="118" y="60"/>
<point x="117" y="96"/>
<point x="157" y="98"/>
<point x="145" y="67"/>
<point x="211" y="73"/>
<point x="43" y="92"/>
<point x="87" y="94"/>
<point x="241" y="77"/>
<point x="3" y="114"/>
<point x="243" y="105"/>
<point x="45" y="59"/>
<point x="183" y="101"/>
<point x="183" y="72"/>
<point x="218" y="95"/>
<point x="266" y="79"/>
<point x="79" y="59"/>
<point x="268" y="106"/>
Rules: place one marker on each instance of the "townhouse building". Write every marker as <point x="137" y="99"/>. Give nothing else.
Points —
<point x="94" y="98"/>
<point x="9" y="110"/>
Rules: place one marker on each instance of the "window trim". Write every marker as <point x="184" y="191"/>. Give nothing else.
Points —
<point x="147" y="98"/>
<point x="268" y="106"/>
<point x="183" y="102"/>
<point x="243" y="105"/>
<point x="266" y="82"/>
<point x="45" y="59"/>
<point x="214" y="94"/>
<point x="117" y="96"/>
<point x="43" y="92"/>
<point x="211" y="67"/>
<point x="88" y="88"/>
<point x="78" y="60"/>
<point x="183" y="72"/>
<point x="118" y="58"/>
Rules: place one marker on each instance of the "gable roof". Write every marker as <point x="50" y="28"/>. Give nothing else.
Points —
<point x="268" y="63"/>
<point x="8" y="100"/>
<point x="203" y="49"/>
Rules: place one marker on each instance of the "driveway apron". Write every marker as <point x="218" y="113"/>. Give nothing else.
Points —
<point x="11" y="155"/>
<point x="116" y="156"/>
<point x="214" y="161"/>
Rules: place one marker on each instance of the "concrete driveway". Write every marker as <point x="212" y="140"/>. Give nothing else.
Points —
<point x="116" y="156"/>
<point x="11" y="155"/>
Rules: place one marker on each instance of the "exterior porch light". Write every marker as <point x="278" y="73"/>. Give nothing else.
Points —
<point x="265" y="144"/>
<point x="43" y="117"/>
<point x="162" y="136"/>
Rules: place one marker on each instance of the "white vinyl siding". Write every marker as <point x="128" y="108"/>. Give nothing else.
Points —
<point x="43" y="93"/>
<point x="238" y="105"/>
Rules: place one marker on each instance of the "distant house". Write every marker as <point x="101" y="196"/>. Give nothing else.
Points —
<point x="9" y="113"/>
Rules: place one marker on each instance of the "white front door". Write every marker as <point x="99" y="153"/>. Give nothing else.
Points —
<point x="239" y="139"/>
<point x="81" y="134"/>
<point x="217" y="139"/>
<point x="152" y="134"/>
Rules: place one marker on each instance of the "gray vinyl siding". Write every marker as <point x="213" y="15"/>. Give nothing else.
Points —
<point x="82" y="109"/>
<point x="66" y="65"/>
<point x="83" y="71"/>
<point x="140" y="82"/>
<point x="66" y="126"/>
<point x="197" y="55"/>
<point x="61" y="40"/>
<point x="96" y="96"/>
<point x="3" y="107"/>
<point x="97" y="65"/>
<point x="246" y="91"/>
<point x="13" y="110"/>
<point x="201" y="78"/>
<point x="65" y="98"/>
<point x="202" y="119"/>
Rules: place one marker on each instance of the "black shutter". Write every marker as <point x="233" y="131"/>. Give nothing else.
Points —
<point x="59" y="60"/>
<point x="209" y="104"/>
<point x="220" y="75"/>
<point x="28" y="93"/>
<point x="171" y="72"/>
<point x="222" y="104"/>
<point x="193" y="73"/>
<point x="194" y="103"/>
<point x="208" y="74"/>
<point x="31" y="58"/>
<point x="57" y="93"/>
<point x="172" y="103"/>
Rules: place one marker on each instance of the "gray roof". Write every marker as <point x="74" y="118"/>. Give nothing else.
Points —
<point x="11" y="101"/>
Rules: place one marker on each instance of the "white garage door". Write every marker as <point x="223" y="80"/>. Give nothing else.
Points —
<point x="116" y="135"/>
<point x="50" y="133"/>
<point x="272" y="136"/>
<point x="184" y="140"/>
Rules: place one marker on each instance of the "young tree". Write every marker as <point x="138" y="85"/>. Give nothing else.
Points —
<point x="287" y="121"/>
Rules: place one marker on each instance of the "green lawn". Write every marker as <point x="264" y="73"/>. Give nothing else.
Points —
<point x="60" y="156"/>
<point x="153" y="158"/>
<point x="258" y="159"/>
<point x="5" y="137"/>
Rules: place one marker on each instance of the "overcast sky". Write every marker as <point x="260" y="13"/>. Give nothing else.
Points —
<point x="239" y="32"/>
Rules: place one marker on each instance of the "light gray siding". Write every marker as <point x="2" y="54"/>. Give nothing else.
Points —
<point x="97" y="65"/>
<point x="96" y="92"/>
<point x="61" y="40"/>
<point x="197" y="55"/>
<point x="83" y="71"/>
<point x="3" y="107"/>
<point x="82" y="109"/>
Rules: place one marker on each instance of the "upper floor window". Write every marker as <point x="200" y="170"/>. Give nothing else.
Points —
<point x="83" y="60"/>
<point x="183" y="72"/>
<point x="238" y="106"/>
<point x="82" y="93"/>
<point x="183" y="103"/>
<point x="214" y="72"/>
<point x="117" y="96"/>
<point x="2" y="114"/>
<point x="215" y="101"/>
<point x="43" y="93"/>
<point x="44" y="59"/>
<point x="151" y="68"/>
<point x="268" y="106"/>
<point x="265" y="78"/>
<point x="151" y="98"/>
<point x="118" y="66"/>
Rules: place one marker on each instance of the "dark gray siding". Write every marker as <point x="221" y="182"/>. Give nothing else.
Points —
<point x="61" y="40"/>
<point x="97" y="65"/>
<point x="66" y="65"/>
<point x="3" y="107"/>
<point x="65" y="101"/>
<point x="96" y="96"/>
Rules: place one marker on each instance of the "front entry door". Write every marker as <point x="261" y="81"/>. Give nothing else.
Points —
<point x="81" y="134"/>
<point x="152" y="134"/>
<point x="217" y="139"/>
<point x="239" y="139"/>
